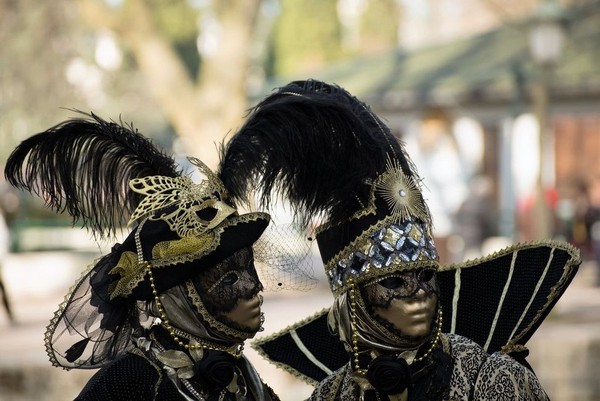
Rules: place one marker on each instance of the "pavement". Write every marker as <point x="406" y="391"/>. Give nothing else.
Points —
<point x="38" y="281"/>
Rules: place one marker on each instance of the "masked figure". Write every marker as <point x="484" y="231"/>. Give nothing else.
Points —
<point x="335" y="161"/>
<point x="166" y="313"/>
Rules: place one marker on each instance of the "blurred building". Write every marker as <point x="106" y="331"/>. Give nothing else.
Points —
<point x="466" y="108"/>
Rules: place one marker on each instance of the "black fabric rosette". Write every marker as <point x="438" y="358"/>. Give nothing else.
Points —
<point x="389" y="374"/>
<point x="216" y="369"/>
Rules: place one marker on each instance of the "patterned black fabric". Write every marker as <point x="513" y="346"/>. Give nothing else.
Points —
<point x="472" y="375"/>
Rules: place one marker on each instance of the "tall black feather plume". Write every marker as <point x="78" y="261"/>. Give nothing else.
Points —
<point x="313" y="144"/>
<point x="83" y="166"/>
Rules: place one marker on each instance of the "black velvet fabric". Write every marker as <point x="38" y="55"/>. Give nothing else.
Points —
<point x="133" y="377"/>
<point x="129" y="378"/>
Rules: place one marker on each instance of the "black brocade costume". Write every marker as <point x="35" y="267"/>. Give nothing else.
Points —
<point x="130" y="377"/>
<point x="459" y="370"/>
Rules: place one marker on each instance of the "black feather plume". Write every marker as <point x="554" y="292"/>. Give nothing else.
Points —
<point x="312" y="144"/>
<point x="83" y="166"/>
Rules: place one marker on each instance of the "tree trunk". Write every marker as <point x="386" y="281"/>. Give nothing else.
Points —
<point x="201" y="112"/>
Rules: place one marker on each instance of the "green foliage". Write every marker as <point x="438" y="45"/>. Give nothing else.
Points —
<point x="306" y="35"/>
<point x="176" y="19"/>
<point x="379" y="25"/>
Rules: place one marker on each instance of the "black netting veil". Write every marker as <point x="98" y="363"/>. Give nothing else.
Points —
<point x="89" y="329"/>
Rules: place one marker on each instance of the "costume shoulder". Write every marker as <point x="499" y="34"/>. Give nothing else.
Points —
<point x="331" y="387"/>
<point x="478" y="375"/>
<point x="500" y="300"/>
<point x="131" y="377"/>
<point x="467" y="357"/>
<point x="501" y="378"/>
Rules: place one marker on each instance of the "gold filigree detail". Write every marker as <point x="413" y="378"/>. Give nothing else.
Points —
<point x="401" y="193"/>
<point x="161" y="191"/>
<point x="181" y="251"/>
<point x="191" y="200"/>
<point x="131" y="273"/>
<point x="183" y="246"/>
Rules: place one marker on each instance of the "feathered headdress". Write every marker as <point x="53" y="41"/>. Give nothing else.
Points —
<point x="83" y="167"/>
<point x="106" y="174"/>
<point x="324" y="151"/>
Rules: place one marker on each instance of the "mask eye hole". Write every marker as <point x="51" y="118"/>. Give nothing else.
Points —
<point x="227" y="280"/>
<point x="392" y="283"/>
<point x="230" y="278"/>
<point x="207" y="214"/>
<point x="426" y="275"/>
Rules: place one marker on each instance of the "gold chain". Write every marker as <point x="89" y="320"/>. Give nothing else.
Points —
<point x="236" y="351"/>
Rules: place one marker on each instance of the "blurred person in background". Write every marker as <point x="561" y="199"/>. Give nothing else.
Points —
<point x="166" y="313"/>
<point x="576" y="228"/>
<point x="477" y="217"/>
<point x="592" y="221"/>
<point x="4" y="248"/>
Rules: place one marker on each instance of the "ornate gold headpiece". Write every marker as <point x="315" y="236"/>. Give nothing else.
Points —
<point x="393" y="232"/>
<point x="190" y="210"/>
<point x="187" y="219"/>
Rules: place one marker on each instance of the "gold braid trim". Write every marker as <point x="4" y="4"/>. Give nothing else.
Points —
<point x="210" y="319"/>
<point x="565" y="246"/>
<point x="510" y="348"/>
<point x="51" y="327"/>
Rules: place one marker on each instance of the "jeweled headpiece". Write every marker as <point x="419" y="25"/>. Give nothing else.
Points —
<point x="325" y="152"/>
<point x="106" y="175"/>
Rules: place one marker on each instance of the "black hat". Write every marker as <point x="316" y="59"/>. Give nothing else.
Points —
<point x="105" y="175"/>
<point x="181" y="227"/>
<point x="325" y="152"/>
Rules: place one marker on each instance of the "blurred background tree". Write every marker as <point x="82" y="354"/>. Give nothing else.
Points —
<point x="180" y="69"/>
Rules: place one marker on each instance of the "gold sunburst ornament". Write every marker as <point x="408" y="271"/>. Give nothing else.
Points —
<point x="401" y="193"/>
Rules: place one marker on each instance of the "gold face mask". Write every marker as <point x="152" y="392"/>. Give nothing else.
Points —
<point x="404" y="302"/>
<point x="229" y="290"/>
